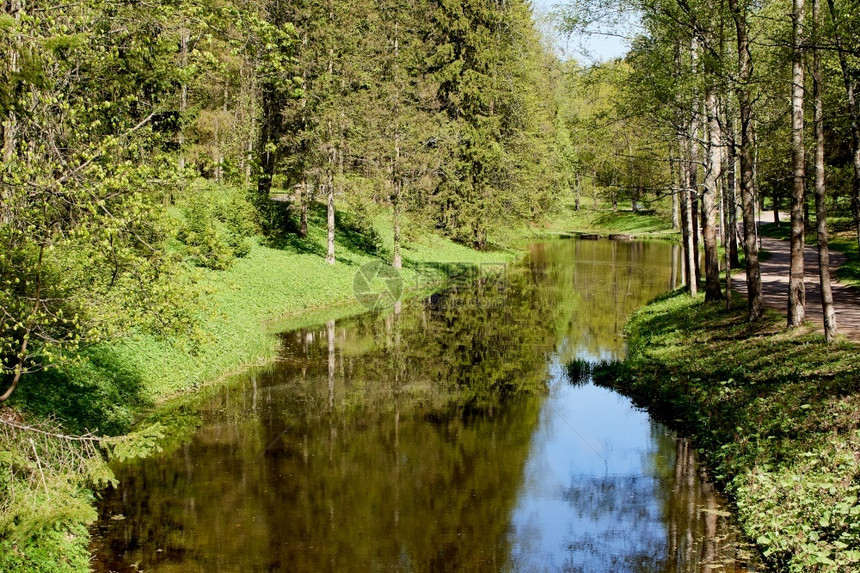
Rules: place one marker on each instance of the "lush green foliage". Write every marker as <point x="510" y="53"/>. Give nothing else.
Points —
<point x="773" y="412"/>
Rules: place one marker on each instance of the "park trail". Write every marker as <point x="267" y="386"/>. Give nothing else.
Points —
<point x="774" y="282"/>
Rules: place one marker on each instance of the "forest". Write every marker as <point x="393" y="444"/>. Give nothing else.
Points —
<point x="157" y="158"/>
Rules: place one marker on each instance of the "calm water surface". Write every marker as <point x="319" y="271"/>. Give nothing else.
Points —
<point x="442" y="435"/>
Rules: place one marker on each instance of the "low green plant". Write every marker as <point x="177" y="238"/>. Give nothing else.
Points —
<point x="578" y="371"/>
<point x="46" y="482"/>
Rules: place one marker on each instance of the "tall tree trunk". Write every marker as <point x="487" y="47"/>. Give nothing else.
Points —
<point x="304" y="200"/>
<point x="848" y="77"/>
<point x="828" y="312"/>
<point x="692" y="186"/>
<point x="396" y="179"/>
<point x="725" y="220"/>
<point x="689" y="233"/>
<point x="682" y="204"/>
<point x="709" y="200"/>
<point x="676" y="203"/>
<point x="184" y="37"/>
<point x="775" y="200"/>
<point x="397" y="261"/>
<point x="732" y="188"/>
<point x="693" y="177"/>
<point x="329" y="258"/>
<point x="300" y="200"/>
<point x="796" y="287"/>
<point x="745" y="72"/>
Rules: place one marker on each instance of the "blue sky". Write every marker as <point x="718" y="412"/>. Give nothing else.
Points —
<point x="584" y="48"/>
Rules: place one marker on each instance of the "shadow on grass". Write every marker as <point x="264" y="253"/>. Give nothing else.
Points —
<point x="353" y="234"/>
<point x="99" y="393"/>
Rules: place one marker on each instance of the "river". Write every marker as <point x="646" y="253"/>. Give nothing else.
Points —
<point x="443" y="434"/>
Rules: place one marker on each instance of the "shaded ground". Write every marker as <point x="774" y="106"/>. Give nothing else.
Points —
<point x="774" y="279"/>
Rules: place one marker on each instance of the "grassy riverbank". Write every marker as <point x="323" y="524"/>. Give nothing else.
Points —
<point x="602" y="219"/>
<point x="775" y="414"/>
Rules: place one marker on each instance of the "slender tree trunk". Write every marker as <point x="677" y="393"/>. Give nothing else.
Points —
<point x="692" y="186"/>
<point x="745" y="71"/>
<point x="732" y="188"/>
<point x="303" y="209"/>
<point x="686" y="239"/>
<point x="848" y="77"/>
<point x="248" y="155"/>
<point x="676" y="203"/>
<point x="690" y="230"/>
<point x="330" y="211"/>
<point x="673" y="279"/>
<point x="775" y="200"/>
<point x="396" y="179"/>
<point x="725" y="221"/>
<point x="302" y="202"/>
<point x="828" y="312"/>
<point x="796" y="287"/>
<point x="397" y="261"/>
<point x="184" y="36"/>
<point x="577" y="191"/>
<point x="693" y="177"/>
<point x="709" y="201"/>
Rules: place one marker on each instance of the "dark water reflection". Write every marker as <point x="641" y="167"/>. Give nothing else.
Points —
<point x="441" y="436"/>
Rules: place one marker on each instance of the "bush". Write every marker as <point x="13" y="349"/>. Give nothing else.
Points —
<point x="218" y="222"/>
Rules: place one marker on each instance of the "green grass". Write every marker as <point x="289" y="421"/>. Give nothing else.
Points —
<point x="776" y="414"/>
<point x="843" y="238"/>
<point x="598" y="218"/>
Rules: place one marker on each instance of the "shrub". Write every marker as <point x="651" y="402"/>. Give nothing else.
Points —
<point x="218" y="222"/>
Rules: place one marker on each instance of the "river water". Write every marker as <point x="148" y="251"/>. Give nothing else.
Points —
<point x="443" y="434"/>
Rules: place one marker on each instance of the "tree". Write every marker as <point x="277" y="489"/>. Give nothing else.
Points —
<point x="820" y="205"/>
<point x="746" y="154"/>
<point x="796" y="288"/>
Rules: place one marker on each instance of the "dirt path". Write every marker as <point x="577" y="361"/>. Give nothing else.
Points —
<point x="774" y="282"/>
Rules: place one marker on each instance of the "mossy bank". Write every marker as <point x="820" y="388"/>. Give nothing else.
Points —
<point x="775" y="414"/>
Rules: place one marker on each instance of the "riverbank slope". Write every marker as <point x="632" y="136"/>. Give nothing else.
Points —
<point x="775" y="413"/>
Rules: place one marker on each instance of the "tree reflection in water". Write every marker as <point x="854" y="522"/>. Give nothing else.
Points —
<point x="418" y="440"/>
